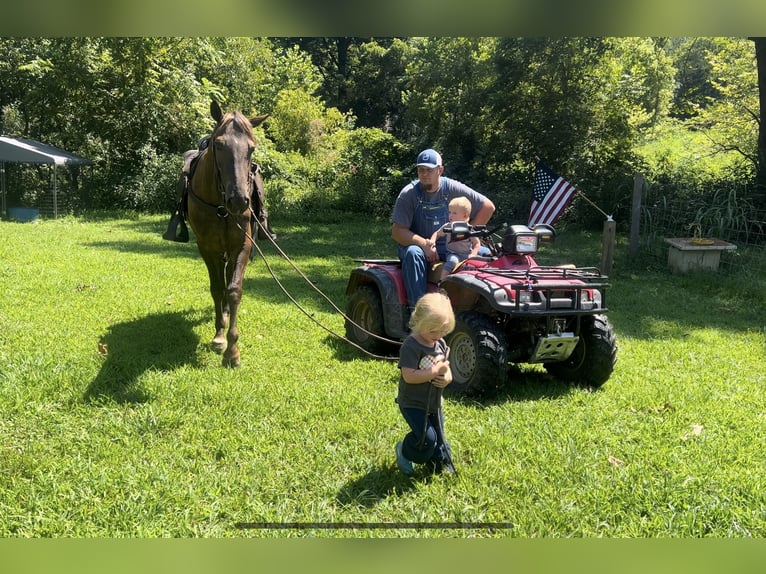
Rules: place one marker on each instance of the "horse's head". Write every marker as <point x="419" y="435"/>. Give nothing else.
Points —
<point x="232" y="145"/>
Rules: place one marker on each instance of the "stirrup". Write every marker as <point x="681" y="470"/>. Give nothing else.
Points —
<point x="183" y="235"/>
<point x="262" y="229"/>
<point x="170" y="233"/>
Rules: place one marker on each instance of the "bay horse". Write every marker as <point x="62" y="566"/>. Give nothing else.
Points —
<point x="221" y="205"/>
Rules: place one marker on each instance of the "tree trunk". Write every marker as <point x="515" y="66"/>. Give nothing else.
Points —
<point x="760" y="57"/>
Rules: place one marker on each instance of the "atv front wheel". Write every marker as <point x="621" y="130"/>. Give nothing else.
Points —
<point x="594" y="357"/>
<point x="478" y="355"/>
<point x="365" y="311"/>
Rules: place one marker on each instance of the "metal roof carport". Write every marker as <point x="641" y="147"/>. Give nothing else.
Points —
<point x="21" y="150"/>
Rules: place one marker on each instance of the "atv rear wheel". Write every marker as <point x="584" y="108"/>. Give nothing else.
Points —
<point x="594" y="357"/>
<point x="478" y="355"/>
<point x="366" y="310"/>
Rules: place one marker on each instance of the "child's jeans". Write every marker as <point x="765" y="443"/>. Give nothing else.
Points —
<point x="453" y="259"/>
<point x="434" y="447"/>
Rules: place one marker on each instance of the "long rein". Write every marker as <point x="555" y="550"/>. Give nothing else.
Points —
<point x="313" y="286"/>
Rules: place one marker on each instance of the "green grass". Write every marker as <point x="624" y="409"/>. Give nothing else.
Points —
<point x="155" y="438"/>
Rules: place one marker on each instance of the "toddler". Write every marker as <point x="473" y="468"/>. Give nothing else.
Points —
<point x="424" y="372"/>
<point x="460" y="250"/>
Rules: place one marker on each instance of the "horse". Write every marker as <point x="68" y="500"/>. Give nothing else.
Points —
<point x="221" y="205"/>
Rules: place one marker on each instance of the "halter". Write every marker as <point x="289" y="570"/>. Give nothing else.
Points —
<point x="221" y="210"/>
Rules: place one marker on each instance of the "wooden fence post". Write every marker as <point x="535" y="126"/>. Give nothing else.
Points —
<point x="607" y="246"/>
<point x="635" y="214"/>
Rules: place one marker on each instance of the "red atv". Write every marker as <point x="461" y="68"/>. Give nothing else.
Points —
<point x="508" y="310"/>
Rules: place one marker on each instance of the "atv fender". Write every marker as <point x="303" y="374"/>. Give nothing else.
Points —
<point x="466" y="289"/>
<point x="387" y="280"/>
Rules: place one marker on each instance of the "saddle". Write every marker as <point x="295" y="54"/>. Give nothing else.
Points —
<point x="180" y="215"/>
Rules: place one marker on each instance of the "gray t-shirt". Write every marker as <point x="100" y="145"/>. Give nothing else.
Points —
<point x="417" y="396"/>
<point x="460" y="246"/>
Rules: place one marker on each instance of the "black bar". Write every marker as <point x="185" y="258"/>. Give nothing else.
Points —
<point x="374" y="525"/>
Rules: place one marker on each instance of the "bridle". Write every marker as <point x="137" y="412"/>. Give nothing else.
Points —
<point x="221" y="210"/>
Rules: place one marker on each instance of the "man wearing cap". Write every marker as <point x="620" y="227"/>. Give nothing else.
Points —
<point x="421" y="209"/>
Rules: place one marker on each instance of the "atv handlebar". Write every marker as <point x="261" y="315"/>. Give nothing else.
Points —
<point x="516" y="239"/>
<point x="463" y="230"/>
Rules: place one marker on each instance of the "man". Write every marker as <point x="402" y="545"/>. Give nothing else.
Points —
<point x="423" y="207"/>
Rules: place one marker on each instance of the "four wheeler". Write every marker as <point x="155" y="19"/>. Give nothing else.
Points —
<point x="508" y="309"/>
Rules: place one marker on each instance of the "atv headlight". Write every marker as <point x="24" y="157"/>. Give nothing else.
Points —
<point x="525" y="296"/>
<point x="590" y="299"/>
<point x="519" y="240"/>
<point x="526" y="244"/>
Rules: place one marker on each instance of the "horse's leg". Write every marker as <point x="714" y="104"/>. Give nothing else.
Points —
<point x="216" y="271"/>
<point x="235" y="273"/>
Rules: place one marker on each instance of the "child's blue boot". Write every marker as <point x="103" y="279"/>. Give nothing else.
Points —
<point x="404" y="465"/>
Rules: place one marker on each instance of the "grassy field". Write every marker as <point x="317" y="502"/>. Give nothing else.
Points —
<point x="117" y="420"/>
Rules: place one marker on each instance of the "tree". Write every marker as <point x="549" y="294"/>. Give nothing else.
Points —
<point x="730" y="118"/>
<point x="760" y="57"/>
<point x="694" y="89"/>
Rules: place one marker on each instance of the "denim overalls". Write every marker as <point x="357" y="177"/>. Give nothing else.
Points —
<point x="428" y="217"/>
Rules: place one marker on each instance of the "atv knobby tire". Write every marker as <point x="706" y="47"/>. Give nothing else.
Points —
<point x="478" y="355"/>
<point x="594" y="357"/>
<point x="366" y="310"/>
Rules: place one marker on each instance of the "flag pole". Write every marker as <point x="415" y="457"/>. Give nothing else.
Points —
<point x="585" y="197"/>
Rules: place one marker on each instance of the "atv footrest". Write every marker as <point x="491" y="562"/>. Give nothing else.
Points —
<point x="554" y="348"/>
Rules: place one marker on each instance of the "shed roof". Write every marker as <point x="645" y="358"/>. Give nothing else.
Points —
<point x="21" y="150"/>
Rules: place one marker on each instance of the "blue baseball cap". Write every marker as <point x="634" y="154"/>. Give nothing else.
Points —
<point x="429" y="158"/>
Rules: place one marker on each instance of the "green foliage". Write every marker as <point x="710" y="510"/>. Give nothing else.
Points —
<point x="723" y="215"/>
<point x="377" y="82"/>
<point x="367" y="181"/>
<point x="302" y="124"/>
<point x="595" y="109"/>
<point x="694" y="82"/>
<point x="348" y="171"/>
<point x="685" y="163"/>
<point x="730" y="120"/>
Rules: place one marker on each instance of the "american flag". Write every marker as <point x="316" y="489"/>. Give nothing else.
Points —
<point x="552" y="193"/>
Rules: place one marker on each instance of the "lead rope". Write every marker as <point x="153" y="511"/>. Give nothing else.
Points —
<point x="304" y="311"/>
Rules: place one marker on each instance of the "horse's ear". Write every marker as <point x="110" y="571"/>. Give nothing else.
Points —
<point x="215" y="111"/>
<point x="258" y="120"/>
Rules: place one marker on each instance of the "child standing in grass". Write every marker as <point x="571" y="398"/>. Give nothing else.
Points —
<point x="457" y="250"/>
<point x="424" y="372"/>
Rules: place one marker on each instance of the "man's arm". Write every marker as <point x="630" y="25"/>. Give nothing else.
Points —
<point x="437" y="234"/>
<point x="485" y="213"/>
<point x="482" y="206"/>
<point x="475" y="246"/>
<point x="403" y="236"/>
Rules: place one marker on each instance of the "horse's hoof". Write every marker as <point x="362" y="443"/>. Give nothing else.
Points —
<point x="219" y="345"/>
<point x="231" y="363"/>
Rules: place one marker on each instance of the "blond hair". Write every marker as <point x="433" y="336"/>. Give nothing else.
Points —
<point x="461" y="203"/>
<point x="433" y="311"/>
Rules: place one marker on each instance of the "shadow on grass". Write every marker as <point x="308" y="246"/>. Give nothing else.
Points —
<point x="531" y="385"/>
<point x="346" y="351"/>
<point x="163" y="341"/>
<point x="378" y="484"/>
<point x="165" y="249"/>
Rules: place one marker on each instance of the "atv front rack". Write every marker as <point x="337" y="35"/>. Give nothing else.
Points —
<point x="534" y="291"/>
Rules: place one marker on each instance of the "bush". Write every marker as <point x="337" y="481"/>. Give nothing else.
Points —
<point x="366" y="181"/>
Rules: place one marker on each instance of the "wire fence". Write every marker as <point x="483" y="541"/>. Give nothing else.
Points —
<point x="738" y="223"/>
